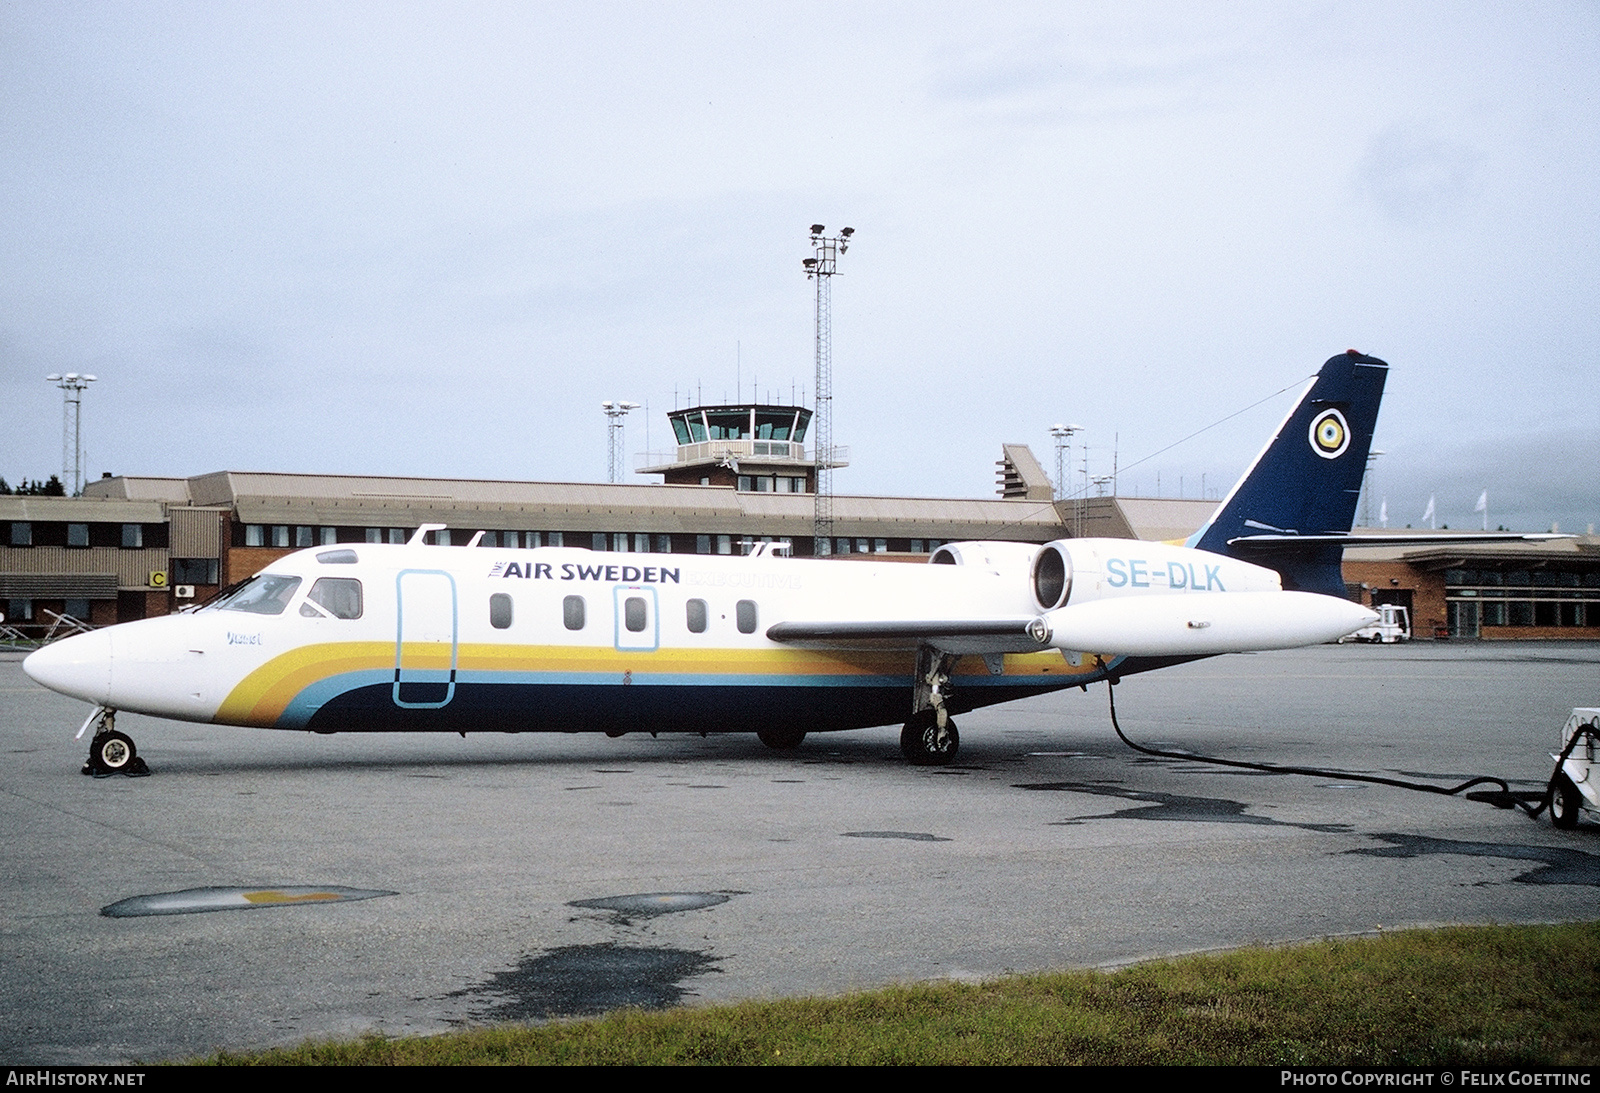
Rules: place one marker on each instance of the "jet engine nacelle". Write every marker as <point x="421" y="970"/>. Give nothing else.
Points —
<point x="1078" y="571"/>
<point x="996" y="557"/>
<point x="1202" y="625"/>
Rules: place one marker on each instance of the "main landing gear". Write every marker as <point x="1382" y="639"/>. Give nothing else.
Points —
<point x="112" y="752"/>
<point x="929" y="738"/>
<point x="781" y="739"/>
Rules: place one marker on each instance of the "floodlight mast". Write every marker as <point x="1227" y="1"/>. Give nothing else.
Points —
<point x="72" y="385"/>
<point x="1063" y="439"/>
<point x="615" y="411"/>
<point x="821" y="267"/>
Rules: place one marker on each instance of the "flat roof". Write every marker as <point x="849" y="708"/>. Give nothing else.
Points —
<point x="75" y="510"/>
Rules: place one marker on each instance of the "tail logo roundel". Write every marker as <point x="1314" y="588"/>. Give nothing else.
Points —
<point x="1330" y="434"/>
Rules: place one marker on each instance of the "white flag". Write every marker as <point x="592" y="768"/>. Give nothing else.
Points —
<point x="1428" y="514"/>
<point x="1483" y="502"/>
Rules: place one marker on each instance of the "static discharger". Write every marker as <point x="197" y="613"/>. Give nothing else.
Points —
<point x="194" y="901"/>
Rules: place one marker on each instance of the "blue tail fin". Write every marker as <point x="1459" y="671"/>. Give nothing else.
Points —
<point x="1306" y="481"/>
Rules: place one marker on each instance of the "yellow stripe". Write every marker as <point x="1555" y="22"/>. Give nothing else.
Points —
<point x="262" y="696"/>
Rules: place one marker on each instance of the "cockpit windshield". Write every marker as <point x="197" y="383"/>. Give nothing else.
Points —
<point x="263" y="594"/>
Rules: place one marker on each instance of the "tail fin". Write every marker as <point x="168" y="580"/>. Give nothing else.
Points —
<point x="1306" y="481"/>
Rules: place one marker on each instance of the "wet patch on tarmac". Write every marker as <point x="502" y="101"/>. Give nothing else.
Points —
<point x="195" y="901"/>
<point x="651" y="904"/>
<point x="584" y="980"/>
<point x="1561" y="864"/>
<point x="914" y="836"/>
<point x="1171" y="807"/>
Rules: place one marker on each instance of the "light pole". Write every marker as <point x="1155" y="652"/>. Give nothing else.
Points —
<point x="615" y="412"/>
<point x="1063" y="439"/>
<point x="821" y="267"/>
<point x="72" y="385"/>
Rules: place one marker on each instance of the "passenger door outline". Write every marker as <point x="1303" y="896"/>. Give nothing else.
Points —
<point x="424" y="678"/>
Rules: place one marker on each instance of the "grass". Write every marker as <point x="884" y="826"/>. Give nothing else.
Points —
<point x="1499" y="995"/>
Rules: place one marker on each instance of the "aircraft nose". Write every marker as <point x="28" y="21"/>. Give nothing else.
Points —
<point x="77" y="666"/>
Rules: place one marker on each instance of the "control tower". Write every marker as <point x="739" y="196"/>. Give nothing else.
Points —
<point x="757" y="448"/>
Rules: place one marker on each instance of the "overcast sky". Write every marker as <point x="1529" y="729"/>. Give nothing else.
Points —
<point x="429" y="239"/>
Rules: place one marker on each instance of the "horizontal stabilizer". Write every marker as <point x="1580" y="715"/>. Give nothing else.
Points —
<point x="1274" y="542"/>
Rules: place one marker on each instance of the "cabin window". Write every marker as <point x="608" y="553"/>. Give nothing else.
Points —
<point x="336" y="557"/>
<point x="696" y="610"/>
<point x="500" y="611"/>
<point x="339" y="597"/>
<point x="746" y="615"/>
<point x="634" y="614"/>
<point x="572" y="612"/>
<point x="263" y="594"/>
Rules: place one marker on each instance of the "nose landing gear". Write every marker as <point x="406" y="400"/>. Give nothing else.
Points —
<point x="112" y="752"/>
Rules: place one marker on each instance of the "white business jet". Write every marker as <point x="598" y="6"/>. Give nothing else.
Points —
<point x="424" y="638"/>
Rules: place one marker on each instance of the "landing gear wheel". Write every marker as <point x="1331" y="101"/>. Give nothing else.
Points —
<point x="1564" y="802"/>
<point x="111" y="753"/>
<point x="925" y="744"/>
<point x="781" y="739"/>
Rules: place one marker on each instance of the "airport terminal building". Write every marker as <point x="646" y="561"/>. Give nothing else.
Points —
<point x="132" y="547"/>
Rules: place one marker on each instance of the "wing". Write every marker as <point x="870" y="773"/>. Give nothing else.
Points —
<point x="996" y="635"/>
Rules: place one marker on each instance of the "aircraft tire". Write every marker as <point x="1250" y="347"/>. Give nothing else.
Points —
<point x="1564" y="802"/>
<point x="920" y="741"/>
<point x="112" y="752"/>
<point x="781" y="739"/>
